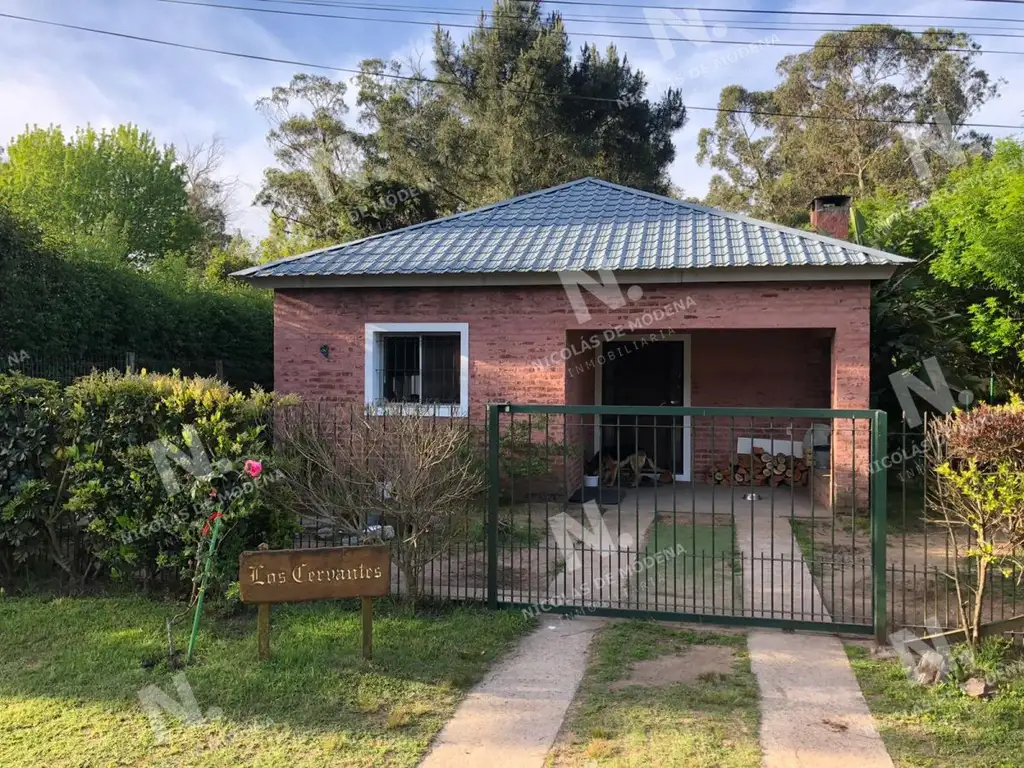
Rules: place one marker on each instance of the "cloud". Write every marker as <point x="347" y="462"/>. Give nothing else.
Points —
<point x="50" y="75"/>
<point x="70" y="78"/>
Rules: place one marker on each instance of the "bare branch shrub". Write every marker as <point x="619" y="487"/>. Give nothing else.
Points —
<point x="420" y="475"/>
<point x="308" y="440"/>
<point x="978" y="497"/>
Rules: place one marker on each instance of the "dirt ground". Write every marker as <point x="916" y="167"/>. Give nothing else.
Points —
<point x="918" y="593"/>
<point x="699" y="662"/>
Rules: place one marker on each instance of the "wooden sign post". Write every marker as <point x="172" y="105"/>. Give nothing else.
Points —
<point x="297" y="575"/>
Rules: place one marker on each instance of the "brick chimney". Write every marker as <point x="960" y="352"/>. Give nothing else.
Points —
<point x="830" y="215"/>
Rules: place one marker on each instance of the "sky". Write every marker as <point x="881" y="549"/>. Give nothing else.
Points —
<point x="69" y="78"/>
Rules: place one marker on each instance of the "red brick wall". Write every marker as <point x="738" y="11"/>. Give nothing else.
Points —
<point x="756" y="368"/>
<point x="753" y="344"/>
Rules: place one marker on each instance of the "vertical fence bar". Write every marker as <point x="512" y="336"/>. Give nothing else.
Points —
<point x="879" y="435"/>
<point x="493" y="491"/>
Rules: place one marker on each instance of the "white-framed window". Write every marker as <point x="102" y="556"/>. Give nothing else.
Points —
<point x="420" y="365"/>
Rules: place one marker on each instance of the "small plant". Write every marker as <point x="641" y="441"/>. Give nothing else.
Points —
<point x="978" y="498"/>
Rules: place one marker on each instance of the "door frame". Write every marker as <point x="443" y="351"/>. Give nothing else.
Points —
<point x="687" y="472"/>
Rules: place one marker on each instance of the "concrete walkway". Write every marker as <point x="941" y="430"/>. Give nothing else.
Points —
<point x="813" y="714"/>
<point x="512" y="717"/>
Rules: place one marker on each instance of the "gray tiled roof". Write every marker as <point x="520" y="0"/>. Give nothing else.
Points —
<point x="584" y="225"/>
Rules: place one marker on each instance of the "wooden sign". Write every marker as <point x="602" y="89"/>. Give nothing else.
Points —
<point x="297" y="575"/>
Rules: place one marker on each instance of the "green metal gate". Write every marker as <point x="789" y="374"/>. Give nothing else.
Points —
<point x="768" y="517"/>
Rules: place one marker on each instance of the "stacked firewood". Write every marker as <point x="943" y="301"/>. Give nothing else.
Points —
<point x="762" y="468"/>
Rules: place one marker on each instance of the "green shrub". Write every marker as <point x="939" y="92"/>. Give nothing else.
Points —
<point x="28" y="459"/>
<point x="114" y="510"/>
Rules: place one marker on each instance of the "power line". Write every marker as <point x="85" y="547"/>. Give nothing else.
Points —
<point x="756" y="25"/>
<point x="707" y="40"/>
<point x="791" y="12"/>
<point x="511" y="89"/>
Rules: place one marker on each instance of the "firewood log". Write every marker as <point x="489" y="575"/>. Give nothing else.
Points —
<point x="766" y="458"/>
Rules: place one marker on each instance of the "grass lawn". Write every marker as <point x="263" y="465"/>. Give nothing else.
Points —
<point x="703" y="547"/>
<point x="71" y="670"/>
<point x="940" y="727"/>
<point x="709" y="720"/>
<point x="702" y="572"/>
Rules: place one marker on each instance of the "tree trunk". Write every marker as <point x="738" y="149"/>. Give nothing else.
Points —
<point x="979" y="597"/>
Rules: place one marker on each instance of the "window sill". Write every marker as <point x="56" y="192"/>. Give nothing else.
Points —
<point x="416" y="409"/>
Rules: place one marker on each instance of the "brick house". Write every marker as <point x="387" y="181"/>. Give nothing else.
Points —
<point x="587" y="293"/>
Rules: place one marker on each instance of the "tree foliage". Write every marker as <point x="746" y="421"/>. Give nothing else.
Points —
<point x="979" y="232"/>
<point x="872" y="77"/>
<point x="117" y="188"/>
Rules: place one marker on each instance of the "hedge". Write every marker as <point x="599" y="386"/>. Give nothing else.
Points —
<point x="81" y="490"/>
<point x="80" y="306"/>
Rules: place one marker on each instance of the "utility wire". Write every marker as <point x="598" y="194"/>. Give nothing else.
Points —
<point x="527" y="92"/>
<point x="703" y="41"/>
<point x="791" y="12"/>
<point x="756" y="25"/>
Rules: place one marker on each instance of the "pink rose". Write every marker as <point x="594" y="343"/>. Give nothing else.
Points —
<point x="253" y="468"/>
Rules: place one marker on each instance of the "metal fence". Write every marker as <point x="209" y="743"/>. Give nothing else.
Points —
<point x="789" y="518"/>
<point x="576" y="522"/>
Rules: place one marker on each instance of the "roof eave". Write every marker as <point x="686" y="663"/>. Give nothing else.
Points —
<point x="796" y="273"/>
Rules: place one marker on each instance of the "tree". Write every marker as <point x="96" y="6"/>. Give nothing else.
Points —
<point x="871" y="77"/>
<point x="316" y="153"/>
<point x="512" y="112"/>
<point x="284" y="240"/>
<point x="209" y="194"/>
<point x="913" y="316"/>
<point x="114" y="188"/>
<point x="238" y="253"/>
